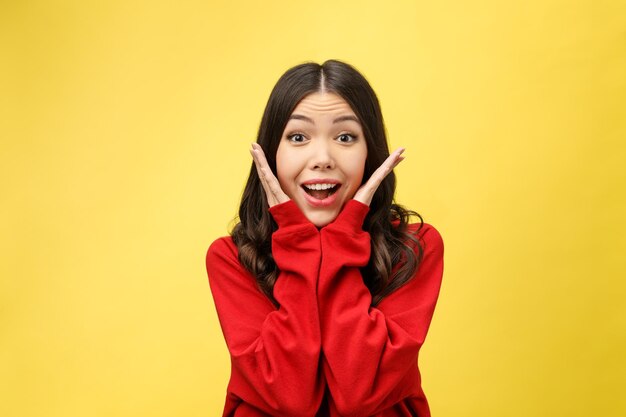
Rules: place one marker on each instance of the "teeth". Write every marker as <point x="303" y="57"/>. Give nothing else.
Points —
<point x="319" y="186"/>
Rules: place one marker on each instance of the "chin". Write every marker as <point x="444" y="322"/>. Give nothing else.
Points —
<point x="322" y="219"/>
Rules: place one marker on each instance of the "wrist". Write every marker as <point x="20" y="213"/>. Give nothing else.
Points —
<point x="287" y="214"/>
<point x="352" y="216"/>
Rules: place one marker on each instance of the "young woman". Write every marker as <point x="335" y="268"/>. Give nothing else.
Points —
<point x="324" y="290"/>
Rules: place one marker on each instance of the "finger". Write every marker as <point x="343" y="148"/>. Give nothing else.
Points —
<point x="262" y="176"/>
<point x="400" y="159"/>
<point x="261" y="156"/>
<point x="256" y="163"/>
<point x="269" y="191"/>
<point x="387" y="166"/>
<point x="396" y="156"/>
<point x="266" y="175"/>
<point x="270" y="179"/>
<point x="274" y="186"/>
<point x="253" y="152"/>
<point x="393" y="157"/>
<point x="366" y="192"/>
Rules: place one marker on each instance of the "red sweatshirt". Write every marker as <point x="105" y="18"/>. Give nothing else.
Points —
<point x="325" y="351"/>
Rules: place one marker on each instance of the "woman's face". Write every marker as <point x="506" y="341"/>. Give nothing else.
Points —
<point x="322" y="147"/>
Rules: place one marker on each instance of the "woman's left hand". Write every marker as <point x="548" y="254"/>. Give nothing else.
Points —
<point x="366" y="192"/>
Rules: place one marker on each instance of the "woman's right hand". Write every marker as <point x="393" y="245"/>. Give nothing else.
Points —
<point x="273" y="191"/>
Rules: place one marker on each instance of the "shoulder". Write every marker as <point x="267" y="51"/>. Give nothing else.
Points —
<point x="422" y="288"/>
<point x="428" y="235"/>
<point x="230" y="282"/>
<point x="223" y="255"/>
<point x="221" y="247"/>
<point x="430" y="267"/>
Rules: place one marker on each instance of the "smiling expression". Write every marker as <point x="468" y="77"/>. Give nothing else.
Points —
<point x="323" y="143"/>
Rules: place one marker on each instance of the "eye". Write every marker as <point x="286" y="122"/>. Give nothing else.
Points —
<point x="296" y="137"/>
<point x="347" y="138"/>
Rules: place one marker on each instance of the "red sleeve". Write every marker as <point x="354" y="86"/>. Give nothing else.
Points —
<point x="368" y="351"/>
<point x="274" y="352"/>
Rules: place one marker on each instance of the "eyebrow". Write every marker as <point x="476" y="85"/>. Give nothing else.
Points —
<point x="337" y="120"/>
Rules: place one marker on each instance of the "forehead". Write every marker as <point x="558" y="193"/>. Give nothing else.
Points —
<point x="322" y="104"/>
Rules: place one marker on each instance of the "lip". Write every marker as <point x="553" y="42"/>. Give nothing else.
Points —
<point x="320" y="203"/>
<point x="321" y="181"/>
<point x="314" y="202"/>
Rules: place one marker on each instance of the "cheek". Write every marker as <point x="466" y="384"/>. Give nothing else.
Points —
<point x="354" y="172"/>
<point x="356" y="168"/>
<point x="286" y="169"/>
<point x="356" y="177"/>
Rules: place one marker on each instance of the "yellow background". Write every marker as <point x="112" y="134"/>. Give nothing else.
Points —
<point x="125" y="128"/>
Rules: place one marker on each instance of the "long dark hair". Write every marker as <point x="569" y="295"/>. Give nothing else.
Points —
<point x="386" y="221"/>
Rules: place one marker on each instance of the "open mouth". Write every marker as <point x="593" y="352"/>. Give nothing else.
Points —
<point x="320" y="191"/>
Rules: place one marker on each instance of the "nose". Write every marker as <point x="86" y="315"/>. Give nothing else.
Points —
<point x="322" y="157"/>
